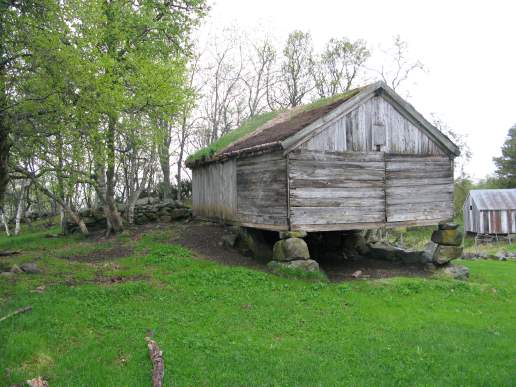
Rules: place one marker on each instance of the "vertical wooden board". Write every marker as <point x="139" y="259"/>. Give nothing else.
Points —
<point x="354" y="131"/>
<point x="214" y="191"/>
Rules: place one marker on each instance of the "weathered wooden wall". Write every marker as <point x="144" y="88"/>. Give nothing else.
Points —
<point x="262" y="191"/>
<point x="471" y="216"/>
<point x="333" y="191"/>
<point x="375" y="122"/>
<point x="418" y="188"/>
<point x="347" y="190"/>
<point x="488" y="221"/>
<point x="214" y="191"/>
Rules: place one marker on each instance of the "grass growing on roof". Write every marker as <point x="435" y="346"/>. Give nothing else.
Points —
<point x="247" y="127"/>
<point x="257" y="121"/>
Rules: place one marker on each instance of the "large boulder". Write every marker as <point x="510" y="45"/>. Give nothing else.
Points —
<point x="456" y="272"/>
<point x="308" y="265"/>
<point x="290" y="249"/>
<point x="445" y="254"/>
<point x="440" y="254"/>
<point x="30" y="267"/>
<point x="385" y="251"/>
<point x="448" y="237"/>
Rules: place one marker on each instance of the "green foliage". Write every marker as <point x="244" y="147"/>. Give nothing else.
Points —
<point x="461" y="188"/>
<point x="221" y="325"/>
<point x="506" y="164"/>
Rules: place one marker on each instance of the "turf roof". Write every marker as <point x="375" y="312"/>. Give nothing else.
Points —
<point x="269" y="128"/>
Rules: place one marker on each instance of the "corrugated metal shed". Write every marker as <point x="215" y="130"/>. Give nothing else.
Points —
<point x="494" y="199"/>
<point x="490" y="211"/>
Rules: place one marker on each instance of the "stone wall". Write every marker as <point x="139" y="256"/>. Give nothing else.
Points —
<point x="147" y="210"/>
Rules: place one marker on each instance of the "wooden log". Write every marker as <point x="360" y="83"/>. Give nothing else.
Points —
<point x="17" y="311"/>
<point x="156" y="356"/>
<point x="9" y="253"/>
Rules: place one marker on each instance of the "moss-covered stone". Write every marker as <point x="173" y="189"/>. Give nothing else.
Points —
<point x="445" y="254"/>
<point x="308" y="265"/>
<point x="448" y="237"/>
<point x="447" y="226"/>
<point x="290" y="249"/>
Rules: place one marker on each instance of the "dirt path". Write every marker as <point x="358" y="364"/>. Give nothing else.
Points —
<point x="205" y="239"/>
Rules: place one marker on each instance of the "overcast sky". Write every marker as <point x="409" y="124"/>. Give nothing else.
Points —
<point x="468" y="47"/>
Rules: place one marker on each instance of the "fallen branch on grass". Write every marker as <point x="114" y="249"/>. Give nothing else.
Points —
<point x="156" y="357"/>
<point x="9" y="253"/>
<point x="38" y="382"/>
<point x="17" y="311"/>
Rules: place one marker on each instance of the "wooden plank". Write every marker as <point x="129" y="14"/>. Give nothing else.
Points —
<point x="261" y="190"/>
<point x="337" y="202"/>
<point x="366" y="225"/>
<point x="332" y="215"/>
<point x="330" y="193"/>
<point x="302" y="154"/>
<point x="334" y="183"/>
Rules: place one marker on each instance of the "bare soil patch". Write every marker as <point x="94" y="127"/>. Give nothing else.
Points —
<point x="205" y="239"/>
<point x="100" y="255"/>
<point x="371" y="268"/>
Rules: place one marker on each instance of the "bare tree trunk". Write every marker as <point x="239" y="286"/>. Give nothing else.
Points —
<point x="66" y="208"/>
<point x="5" y="143"/>
<point x="164" y="158"/>
<point x="73" y="215"/>
<point x="135" y="194"/>
<point x="180" y="164"/>
<point x="113" y="217"/>
<point x="20" y="208"/>
<point x="5" y="222"/>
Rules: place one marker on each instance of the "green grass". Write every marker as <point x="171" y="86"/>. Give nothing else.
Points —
<point x="256" y="122"/>
<point x="227" y="326"/>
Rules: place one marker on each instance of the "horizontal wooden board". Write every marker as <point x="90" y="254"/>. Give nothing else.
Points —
<point x="262" y="190"/>
<point x="312" y="155"/>
<point x="334" y="215"/>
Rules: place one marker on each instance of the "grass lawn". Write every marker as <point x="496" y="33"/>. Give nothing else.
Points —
<point x="231" y="326"/>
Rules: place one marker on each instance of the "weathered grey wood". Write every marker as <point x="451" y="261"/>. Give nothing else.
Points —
<point x="375" y="122"/>
<point x="364" y="225"/>
<point x="214" y="191"/>
<point x="371" y="161"/>
<point x="336" y="188"/>
<point x="427" y="192"/>
<point x="261" y="190"/>
<point x="294" y="141"/>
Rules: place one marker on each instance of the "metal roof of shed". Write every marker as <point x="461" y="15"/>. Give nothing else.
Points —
<point x="494" y="199"/>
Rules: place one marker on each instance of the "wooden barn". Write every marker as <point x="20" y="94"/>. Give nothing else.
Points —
<point x="364" y="159"/>
<point x="490" y="211"/>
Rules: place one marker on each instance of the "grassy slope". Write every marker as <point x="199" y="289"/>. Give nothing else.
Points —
<point x="256" y="122"/>
<point x="222" y="325"/>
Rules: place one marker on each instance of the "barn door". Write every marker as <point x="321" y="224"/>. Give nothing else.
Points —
<point x="418" y="188"/>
